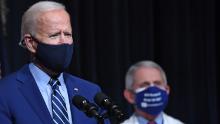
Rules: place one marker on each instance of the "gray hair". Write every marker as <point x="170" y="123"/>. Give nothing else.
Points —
<point x="29" y="18"/>
<point x="149" y="64"/>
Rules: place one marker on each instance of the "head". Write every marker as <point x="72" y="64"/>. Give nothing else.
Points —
<point x="44" y="25"/>
<point x="141" y="75"/>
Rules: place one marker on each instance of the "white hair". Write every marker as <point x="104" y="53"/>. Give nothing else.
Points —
<point x="29" y="18"/>
<point x="149" y="64"/>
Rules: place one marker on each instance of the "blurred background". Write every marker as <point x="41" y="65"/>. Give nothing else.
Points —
<point x="111" y="35"/>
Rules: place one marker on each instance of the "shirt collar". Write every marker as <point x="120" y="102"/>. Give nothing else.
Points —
<point x="41" y="77"/>
<point x="158" y="119"/>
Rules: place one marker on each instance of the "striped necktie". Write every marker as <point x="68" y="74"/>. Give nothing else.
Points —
<point x="59" y="111"/>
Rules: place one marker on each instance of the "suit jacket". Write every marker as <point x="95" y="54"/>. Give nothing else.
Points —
<point x="166" y="120"/>
<point x="22" y="103"/>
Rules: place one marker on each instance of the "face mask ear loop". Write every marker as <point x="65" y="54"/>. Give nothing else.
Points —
<point x="35" y="39"/>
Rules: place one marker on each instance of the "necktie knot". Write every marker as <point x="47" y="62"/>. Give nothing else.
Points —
<point x="54" y="83"/>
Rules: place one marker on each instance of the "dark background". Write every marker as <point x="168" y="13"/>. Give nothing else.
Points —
<point x="110" y="35"/>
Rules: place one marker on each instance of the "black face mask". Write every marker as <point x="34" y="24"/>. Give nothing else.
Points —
<point x="54" y="57"/>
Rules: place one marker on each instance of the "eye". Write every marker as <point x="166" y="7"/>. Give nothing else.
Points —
<point x="158" y="83"/>
<point x="68" y="34"/>
<point x="145" y="84"/>
<point x="54" y="35"/>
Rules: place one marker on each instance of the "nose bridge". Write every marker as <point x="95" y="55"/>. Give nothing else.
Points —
<point x="62" y="37"/>
<point x="152" y="84"/>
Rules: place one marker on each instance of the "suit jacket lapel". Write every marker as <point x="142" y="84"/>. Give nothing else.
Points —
<point x="75" y="87"/>
<point x="31" y="92"/>
<point x="72" y="91"/>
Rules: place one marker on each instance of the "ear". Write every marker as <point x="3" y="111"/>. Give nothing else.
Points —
<point x="167" y="87"/>
<point x="129" y="96"/>
<point x="30" y="44"/>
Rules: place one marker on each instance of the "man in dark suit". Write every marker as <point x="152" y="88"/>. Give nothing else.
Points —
<point x="41" y="92"/>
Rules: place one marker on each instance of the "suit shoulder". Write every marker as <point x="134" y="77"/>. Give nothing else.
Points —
<point x="8" y="87"/>
<point x="12" y="78"/>
<point x="8" y="80"/>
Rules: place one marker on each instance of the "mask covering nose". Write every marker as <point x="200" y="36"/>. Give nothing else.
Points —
<point x="54" y="57"/>
<point x="152" y="100"/>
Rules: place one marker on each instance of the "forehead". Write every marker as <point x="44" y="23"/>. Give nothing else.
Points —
<point x="53" y="17"/>
<point x="57" y="13"/>
<point x="149" y="74"/>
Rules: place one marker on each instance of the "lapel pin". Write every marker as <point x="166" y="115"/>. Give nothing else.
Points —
<point x="76" y="89"/>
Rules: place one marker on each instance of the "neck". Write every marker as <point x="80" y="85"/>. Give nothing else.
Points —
<point x="50" y="72"/>
<point x="145" y="115"/>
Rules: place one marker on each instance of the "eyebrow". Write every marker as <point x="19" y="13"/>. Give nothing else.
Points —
<point x="55" y="33"/>
<point x="59" y="32"/>
<point x="156" y="81"/>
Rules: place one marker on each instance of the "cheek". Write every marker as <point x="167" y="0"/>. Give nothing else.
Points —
<point x="54" y="41"/>
<point x="69" y="41"/>
<point x="133" y="99"/>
